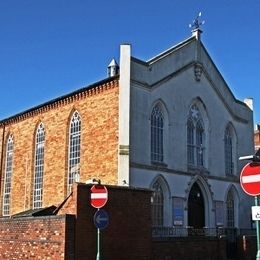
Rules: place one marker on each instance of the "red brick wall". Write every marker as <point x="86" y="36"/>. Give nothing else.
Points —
<point x="2" y="130"/>
<point x="128" y="235"/>
<point x="39" y="238"/>
<point x="189" y="248"/>
<point x="247" y="247"/>
<point x="69" y="237"/>
<point x="98" y="108"/>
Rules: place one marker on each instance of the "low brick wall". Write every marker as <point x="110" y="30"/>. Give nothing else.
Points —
<point x="72" y="235"/>
<point x="39" y="238"/>
<point x="128" y="235"/>
<point x="189" y="248"/>
<point x="246" y="247"/>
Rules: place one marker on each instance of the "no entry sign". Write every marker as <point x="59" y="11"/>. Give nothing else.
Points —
<point x="98" y="196"/>
<point x="250" y="179"/>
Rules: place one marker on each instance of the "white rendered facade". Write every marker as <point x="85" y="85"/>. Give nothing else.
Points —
<point x="186" y="87"/>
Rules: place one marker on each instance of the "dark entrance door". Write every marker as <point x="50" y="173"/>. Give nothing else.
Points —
<point x="196" y="208"/>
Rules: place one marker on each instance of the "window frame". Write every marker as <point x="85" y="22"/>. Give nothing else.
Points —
<point x="230" y="210"/>
<point x="157" y="205"/>
<point x="157" y="134"/>
<point x="228" y="151"/>
<point x="74" y="150"/>
<point x="39" y="166"/>
<point x="8" y="176"/>
<point x="196" y="138"/>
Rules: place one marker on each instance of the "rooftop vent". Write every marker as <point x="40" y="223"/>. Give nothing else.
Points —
<point x="112" y="69"/>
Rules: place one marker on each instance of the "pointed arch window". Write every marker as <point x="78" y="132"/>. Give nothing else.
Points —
<point x="229" y="164"/>
<point x="230" y="210"/>
<point x="190" y="142"/>
<point x="157" y="204"/>
<point x="38" y="167"/>
<point x="74" y="149"/>
<point x="157" y="138"/>
<point x="195" y="138"/>
<point x="8" y="177"/>
<point x="199" y="143"/>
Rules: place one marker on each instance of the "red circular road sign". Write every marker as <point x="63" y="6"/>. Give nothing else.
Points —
<point x="98" y="196"/>
<point x="250" y="179"/>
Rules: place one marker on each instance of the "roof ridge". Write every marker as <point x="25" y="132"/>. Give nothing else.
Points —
<point x="87" y="90"/>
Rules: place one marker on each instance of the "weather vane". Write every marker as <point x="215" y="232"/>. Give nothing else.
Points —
<point x="196" y="23"/>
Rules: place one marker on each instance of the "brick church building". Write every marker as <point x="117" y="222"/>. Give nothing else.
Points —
<point x="170" y="124"/>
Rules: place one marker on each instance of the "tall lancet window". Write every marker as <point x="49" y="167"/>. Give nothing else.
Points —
<point x="157" y="125"/>
<point x="229" y="165"/>
<point x="199" y="143"/>
<point x="190" y="142"/>
<point x="157" y="204"/>
<point x="38" y="167"/>
<point x="8" y="177"/>
<point x="74" y="150"/>
<point x="195" y="138"/>
<point x="230" y="210"/>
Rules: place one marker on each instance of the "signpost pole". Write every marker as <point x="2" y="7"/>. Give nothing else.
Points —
<point x="98" y="244"/>
<point x="98" y="199"/>
<point x="250" y="183"/>
<point x="257" y="231"/>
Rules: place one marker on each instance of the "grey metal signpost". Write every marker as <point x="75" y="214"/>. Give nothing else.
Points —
<point x="257" y="231"/>
<point x="98" y="199"/>
<point x="101" y="220"/>
<point x="250" y="183"/>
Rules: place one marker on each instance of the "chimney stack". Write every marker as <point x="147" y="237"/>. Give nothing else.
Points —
<point x="249" y="103"/>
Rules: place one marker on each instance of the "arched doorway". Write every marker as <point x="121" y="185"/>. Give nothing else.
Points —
<point x="196" y="207"/>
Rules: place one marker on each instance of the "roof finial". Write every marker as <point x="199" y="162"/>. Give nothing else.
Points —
<point x="113" y="68"/>
<point x="196" y="24"/>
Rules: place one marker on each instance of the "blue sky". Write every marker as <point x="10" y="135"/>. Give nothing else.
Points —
<point x="52" y="47"/>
